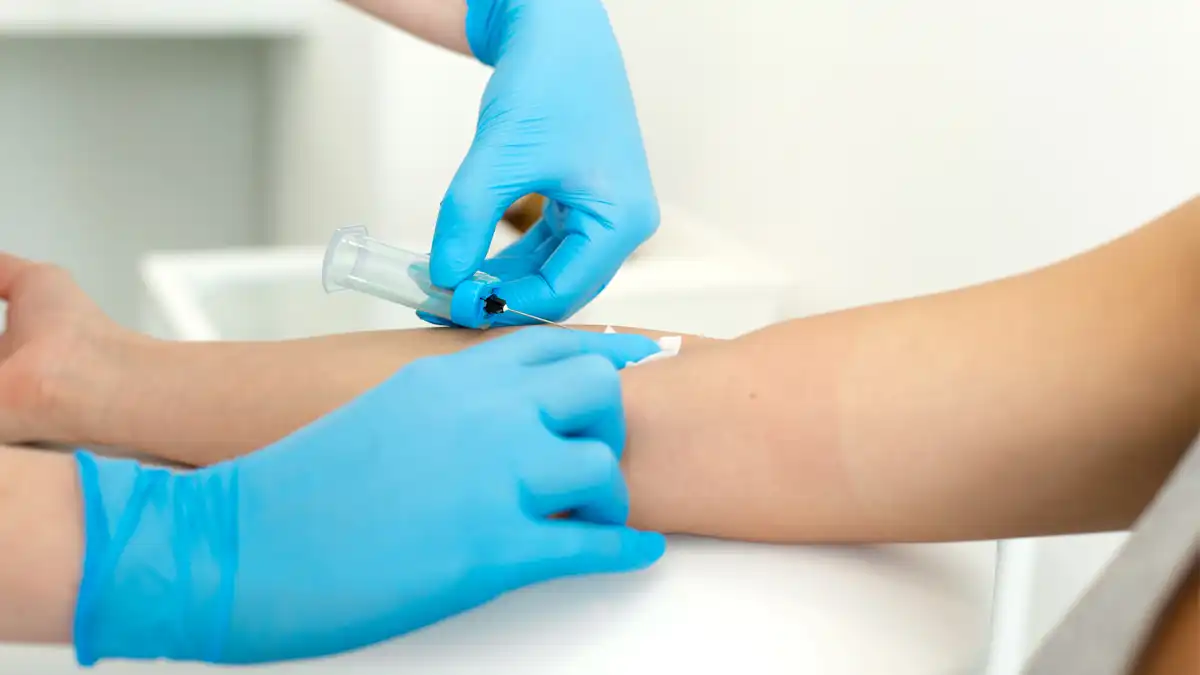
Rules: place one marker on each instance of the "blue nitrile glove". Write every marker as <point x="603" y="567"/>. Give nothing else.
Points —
<point x="557" y="119"/>
<point x="424" y="497"/>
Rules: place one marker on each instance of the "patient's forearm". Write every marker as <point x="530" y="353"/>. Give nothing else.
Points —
<point x="197" y="403"/>
<point x="41" y="545"/>
<point x="1055" y="401"/>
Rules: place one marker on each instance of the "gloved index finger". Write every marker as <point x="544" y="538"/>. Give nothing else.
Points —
<point x="541" y="345"/>
<point x="460" y="244"/>
<point x="474" y="204"/>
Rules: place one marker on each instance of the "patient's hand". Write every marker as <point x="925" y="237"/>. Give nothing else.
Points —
<point x="54" y="335"/>
<point x="70" y="375"/>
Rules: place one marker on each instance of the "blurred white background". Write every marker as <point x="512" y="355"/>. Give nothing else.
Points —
<point x="876" y="149"/>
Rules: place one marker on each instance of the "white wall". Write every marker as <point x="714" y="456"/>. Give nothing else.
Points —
<point x="904" y="147"/>
<point x="897" y="149"/>
<point x="323" y="104"/>
<point x="109" y="148"/>
<point x="430" y="98"/>
<point x="372" y="124"/>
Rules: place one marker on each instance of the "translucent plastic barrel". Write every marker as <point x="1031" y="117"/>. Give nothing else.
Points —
<point x="359" y="262"/>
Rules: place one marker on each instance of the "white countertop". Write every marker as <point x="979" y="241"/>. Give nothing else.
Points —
<point x="899" y="610"/>
<point x="754" y="608"/>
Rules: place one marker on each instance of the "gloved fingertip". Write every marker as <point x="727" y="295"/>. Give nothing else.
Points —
<point x="447" y="270"/>
<point x="632" y="348"/>
<point x="435" y="320"/>
<point x="462" y="236"/>
<point x="651" y="547"/>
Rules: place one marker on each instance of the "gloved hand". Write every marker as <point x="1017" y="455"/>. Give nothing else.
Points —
<point x="557" y="119"/>
<point x="426" y="496"/>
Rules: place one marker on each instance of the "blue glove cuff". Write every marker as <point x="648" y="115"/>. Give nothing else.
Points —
<point x="484" y="27"/>
<point x="159" y="562"/>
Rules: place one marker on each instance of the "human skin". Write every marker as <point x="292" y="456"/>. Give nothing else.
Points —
<point x="1053" y="401"/>
<point x="1050" y="402"/>
<point x="442" y="22"/>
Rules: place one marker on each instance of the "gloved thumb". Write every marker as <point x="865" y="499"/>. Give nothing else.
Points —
<point x="473" y="205"/>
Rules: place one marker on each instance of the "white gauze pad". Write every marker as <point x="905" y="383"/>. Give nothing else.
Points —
<point x="669" y="346"/>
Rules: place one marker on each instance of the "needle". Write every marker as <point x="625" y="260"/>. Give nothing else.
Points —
<point x="535" y="318"/>
<point x="494" y="304"/>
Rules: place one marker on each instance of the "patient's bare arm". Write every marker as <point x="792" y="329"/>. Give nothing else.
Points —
<point x="70" y="375"/>
<point x="1049" y="402"/>
<point x="198" y="403"/>
<point x="1055" y="401"/>
<point x="41" y="536"/>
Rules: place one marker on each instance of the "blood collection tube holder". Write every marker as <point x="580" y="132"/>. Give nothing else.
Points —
<point x="357" y="261"/>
